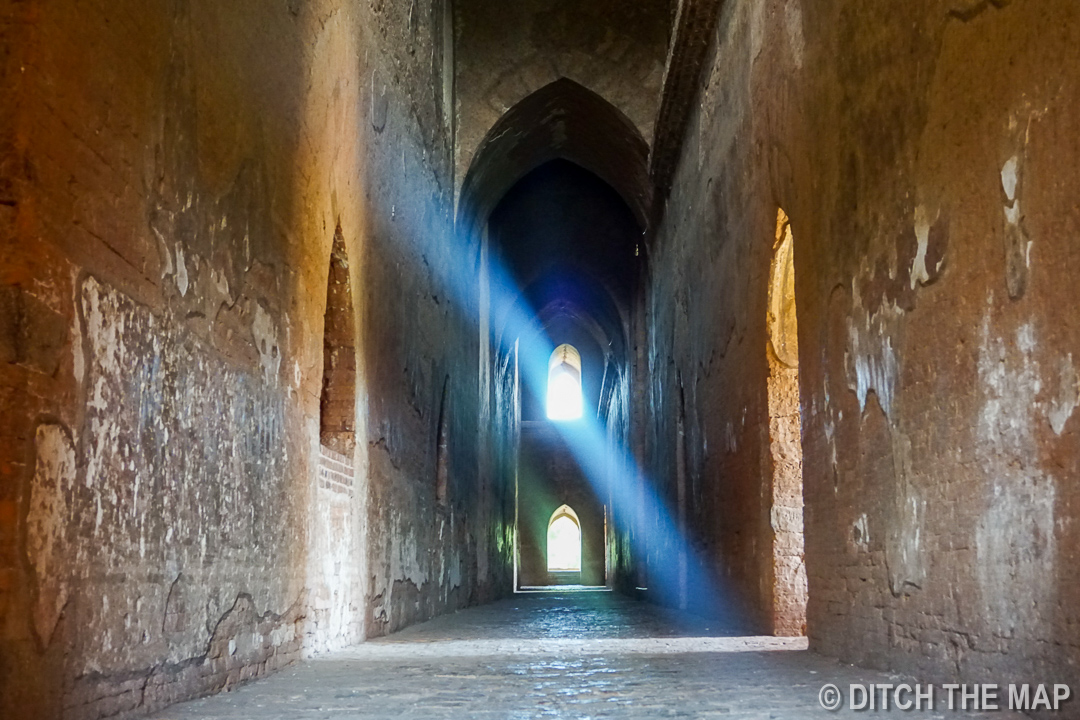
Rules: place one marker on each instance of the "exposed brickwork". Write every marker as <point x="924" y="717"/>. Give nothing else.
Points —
<point x="171" y="177"/>
<point x="786" y="517"/>
<point x="221" y="222"/>
<point x="244" y="646"/>
<point x="913" y="154"/>
<point x="688" y="53"/>
<point x="336" y="471"/>
<point x="785" y="440"/>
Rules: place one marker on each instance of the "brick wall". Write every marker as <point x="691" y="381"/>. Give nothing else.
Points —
<point x="916" y="155"/>
<point x="171" y="179"/>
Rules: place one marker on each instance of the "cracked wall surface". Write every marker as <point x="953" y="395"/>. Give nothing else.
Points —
<point x="173" y="176"/>
<point x="172" y="179"/>
<point x="919" y="157"/>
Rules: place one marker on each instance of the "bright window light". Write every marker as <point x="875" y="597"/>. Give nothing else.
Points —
<point x="564" y="397"/>
<point x="564" y="545"/>
<point x="564" y="384"/>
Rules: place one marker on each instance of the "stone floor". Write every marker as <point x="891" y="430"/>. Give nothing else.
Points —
<point x="555" y="655"/>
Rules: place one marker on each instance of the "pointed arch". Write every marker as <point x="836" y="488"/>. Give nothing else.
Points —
<point x="564" y="541"/>
<point x="564" y="401"/>
<point x="337" y="405"/>
<point x="562" y="120"/>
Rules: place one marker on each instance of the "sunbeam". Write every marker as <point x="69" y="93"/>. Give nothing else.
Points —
<point x="605" y="461"/>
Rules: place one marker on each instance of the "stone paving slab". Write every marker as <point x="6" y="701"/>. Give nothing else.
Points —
<point x="512" y="662"/>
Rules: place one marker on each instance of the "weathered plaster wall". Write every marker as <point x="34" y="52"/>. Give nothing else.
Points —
<point x="158" y="476"/>
<point x="506" y="51"/>
<point x="969" y="543"/>
<point x="707" y="296"/>
<point x="919" y="157"/>
<point x="173" y="175"/>
<point x="421" y="346"/>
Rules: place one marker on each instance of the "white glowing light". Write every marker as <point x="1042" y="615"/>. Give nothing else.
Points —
<point x="564" y="545"/>
<point x="563" y="396"/>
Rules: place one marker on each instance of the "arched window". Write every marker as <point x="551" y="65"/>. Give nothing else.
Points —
<point x="564" y="541"/>
<point x="564" y="384"/>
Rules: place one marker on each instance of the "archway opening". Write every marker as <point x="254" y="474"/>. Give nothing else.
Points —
<point x="337" y="406"/>
<point x="785" y="439"/>
<point x="557" y="197"/>
<point x="442" y="442"/>
<point x="564" y="400"/>
<point x="564" y="541"/>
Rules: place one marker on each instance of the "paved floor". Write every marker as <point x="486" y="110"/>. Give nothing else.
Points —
<point x="560" y="655"/>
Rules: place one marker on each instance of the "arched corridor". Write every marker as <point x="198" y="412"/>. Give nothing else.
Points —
<point x="546" y="358"/>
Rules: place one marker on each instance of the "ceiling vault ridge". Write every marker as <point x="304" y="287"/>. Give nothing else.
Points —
<point x="689" y="51"/>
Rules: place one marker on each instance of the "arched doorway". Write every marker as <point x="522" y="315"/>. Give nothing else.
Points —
<point x="564" y="384"/>
<point x="564" y="543"/>
<point x="785" y="439"/>
<point x="557" y="197"/>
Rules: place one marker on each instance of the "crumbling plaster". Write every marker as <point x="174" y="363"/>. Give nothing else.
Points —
<point x="917" y="156"/>
<point x="173" y="177"/>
